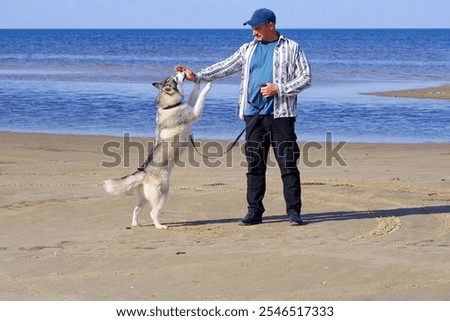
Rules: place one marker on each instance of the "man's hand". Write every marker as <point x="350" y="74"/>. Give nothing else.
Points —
<point x="189" y="74"/>
<point x="269" y="90"/>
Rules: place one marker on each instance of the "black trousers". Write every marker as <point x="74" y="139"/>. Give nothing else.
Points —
<point x="263" y="133"/>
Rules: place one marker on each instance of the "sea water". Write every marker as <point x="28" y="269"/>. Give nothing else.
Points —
<point x="100" y="81"/>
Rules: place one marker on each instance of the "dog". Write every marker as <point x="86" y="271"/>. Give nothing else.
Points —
<point x="174" y="119"/>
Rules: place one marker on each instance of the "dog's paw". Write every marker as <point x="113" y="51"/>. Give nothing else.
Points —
<point x="161" y="227"/>
<point x="136" y="224"/>
<point x="208" y="86"/>
<point x="180" y="76"/>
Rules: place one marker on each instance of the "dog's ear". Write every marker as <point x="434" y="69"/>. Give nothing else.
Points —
<point x="157" y="85"/>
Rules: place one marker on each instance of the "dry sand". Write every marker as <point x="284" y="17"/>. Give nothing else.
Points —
<point x="441" y="92"/>
<point x="378" y="228"/>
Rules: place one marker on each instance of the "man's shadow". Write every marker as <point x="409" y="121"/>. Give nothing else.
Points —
<point x="313" y="218"/>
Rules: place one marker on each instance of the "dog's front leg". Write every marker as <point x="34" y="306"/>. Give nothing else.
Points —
<point x="200" y="103"/>
<point x="194" y="94"/>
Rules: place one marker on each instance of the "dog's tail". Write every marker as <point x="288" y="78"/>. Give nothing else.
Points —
<point x="124" y="185"/>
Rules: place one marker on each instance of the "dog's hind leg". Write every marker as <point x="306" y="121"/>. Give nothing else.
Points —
<point x="157" y="196"/>
<point x="155" y="213"/>
<point x="135" y="220"/>
<point x="140" y="203"/>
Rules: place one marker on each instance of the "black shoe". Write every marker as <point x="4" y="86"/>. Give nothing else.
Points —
<point x="295" y="219"/>
<point x="251" y="219"/>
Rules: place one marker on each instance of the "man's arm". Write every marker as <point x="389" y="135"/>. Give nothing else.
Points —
<point x="218" y="70"/>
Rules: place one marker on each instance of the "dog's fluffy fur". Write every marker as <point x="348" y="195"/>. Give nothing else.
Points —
<point x="174" y="121"/>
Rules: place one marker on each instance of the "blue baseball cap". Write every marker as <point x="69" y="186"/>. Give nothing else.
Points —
<point x="260" y="17"/>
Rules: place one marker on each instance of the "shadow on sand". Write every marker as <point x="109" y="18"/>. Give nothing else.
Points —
<point x="333" y="216"/>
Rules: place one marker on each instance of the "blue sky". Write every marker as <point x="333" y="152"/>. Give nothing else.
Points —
<point x="223" y="13"/>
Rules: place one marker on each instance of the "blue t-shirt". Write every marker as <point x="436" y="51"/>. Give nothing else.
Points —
<point x="261" y="72"/>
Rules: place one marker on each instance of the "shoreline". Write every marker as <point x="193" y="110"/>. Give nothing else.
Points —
<point x="439" y="92"/>
<point x="379" y="227"/>
<point x="223" y="141"/>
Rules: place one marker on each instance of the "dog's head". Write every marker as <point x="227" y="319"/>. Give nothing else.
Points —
<point x="170" y="91"/>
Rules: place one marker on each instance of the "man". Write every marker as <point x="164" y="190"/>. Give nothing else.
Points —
<point x="273" y="71"/>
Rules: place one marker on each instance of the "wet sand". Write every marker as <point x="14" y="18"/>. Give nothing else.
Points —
<point x="441" y="92"/>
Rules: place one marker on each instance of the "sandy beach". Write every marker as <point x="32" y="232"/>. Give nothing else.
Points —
<point x="440" y="92"/>
<point x="379" y="227"/>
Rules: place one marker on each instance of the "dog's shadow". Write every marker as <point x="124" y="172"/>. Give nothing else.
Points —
<point x="313" y="218"/>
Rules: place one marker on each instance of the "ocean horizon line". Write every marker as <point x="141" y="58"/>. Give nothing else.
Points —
<point x="242" y="28"/>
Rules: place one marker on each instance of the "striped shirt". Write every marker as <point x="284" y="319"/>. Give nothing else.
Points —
<point x="291" y="74"/>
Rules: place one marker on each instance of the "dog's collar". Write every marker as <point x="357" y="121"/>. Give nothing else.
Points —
<point x="173" y="106"/>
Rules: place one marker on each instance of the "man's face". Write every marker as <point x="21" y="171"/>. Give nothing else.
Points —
<point x="264" y="32"/>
